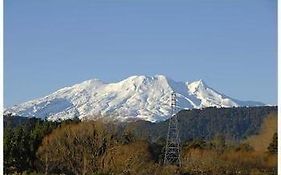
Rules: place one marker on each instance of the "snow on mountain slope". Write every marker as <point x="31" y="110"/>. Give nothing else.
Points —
<point x="137" y="97"/>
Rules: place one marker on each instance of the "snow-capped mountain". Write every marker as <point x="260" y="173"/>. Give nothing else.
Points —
<point x="137" y="97"/>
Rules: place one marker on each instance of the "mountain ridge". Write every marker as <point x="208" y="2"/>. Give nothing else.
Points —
<point x="136" y="97"/>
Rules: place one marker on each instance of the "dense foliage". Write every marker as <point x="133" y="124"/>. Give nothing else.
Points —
<point x="273" y="147"/>
<point x="212" y="142"/>
<point x="235" y="123"/>
<point x="22" y="138"/>
<point x="21" y="141"/>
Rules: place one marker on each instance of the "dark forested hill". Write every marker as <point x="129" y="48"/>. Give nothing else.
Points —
<point x="232" y="123"/>
<point x="13" y="121"/>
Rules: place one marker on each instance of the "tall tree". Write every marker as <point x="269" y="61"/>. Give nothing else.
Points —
<point x="75" y="148"/>
<point x="273" y="146"/>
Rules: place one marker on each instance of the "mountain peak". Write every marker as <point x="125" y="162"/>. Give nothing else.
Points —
<point x="199" y="82"/>
<point x="196" y="85"/>
<point x="92" y="81"/>
<point x="160" y="76"/>
<point x="157" y="76"/>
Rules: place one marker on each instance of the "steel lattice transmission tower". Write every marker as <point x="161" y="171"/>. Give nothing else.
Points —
<point x="172" y="152"/>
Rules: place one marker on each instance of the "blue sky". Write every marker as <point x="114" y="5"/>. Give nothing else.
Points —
<point x="230" y="44"/>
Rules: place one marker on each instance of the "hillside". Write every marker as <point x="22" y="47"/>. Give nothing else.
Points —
<point x="233" y="123"/>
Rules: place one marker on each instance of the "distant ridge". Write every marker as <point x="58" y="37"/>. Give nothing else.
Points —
<point x="137" y="97"/>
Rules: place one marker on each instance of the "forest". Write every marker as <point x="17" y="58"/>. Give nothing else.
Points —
<point x="213" y="141"/>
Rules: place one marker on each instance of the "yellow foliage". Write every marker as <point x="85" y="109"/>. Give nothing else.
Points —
<point x="131" y="158"/>
<point x="74" y="147"/>
<point x="200" y="161"/>
<point x="261" y="141"/>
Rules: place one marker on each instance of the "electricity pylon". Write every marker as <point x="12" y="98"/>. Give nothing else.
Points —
<point x="172" y="152"/>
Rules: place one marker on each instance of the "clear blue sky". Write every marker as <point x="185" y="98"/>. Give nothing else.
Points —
<point x="230" y="44"/>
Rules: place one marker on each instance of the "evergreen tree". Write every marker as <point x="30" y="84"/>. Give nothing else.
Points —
<point x="273" y="146"/>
